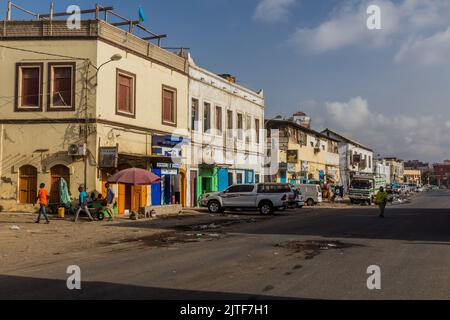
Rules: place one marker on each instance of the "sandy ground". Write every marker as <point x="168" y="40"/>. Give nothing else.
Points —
<point x="25" y="243"/>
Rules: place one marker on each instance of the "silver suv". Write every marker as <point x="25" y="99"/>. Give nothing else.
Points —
<point x="267" y="197"/>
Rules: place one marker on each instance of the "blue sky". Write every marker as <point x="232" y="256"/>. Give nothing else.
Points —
<point x="387" y="88"/>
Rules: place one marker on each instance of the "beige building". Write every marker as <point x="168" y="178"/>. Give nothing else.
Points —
<point x="305" y="155"/>
<point x="412" y="176"/>
<point x="81" y="104"/>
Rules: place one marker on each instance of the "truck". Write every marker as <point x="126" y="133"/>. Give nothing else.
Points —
<point x="363" y="188"/>
<point x="267" y="197"/>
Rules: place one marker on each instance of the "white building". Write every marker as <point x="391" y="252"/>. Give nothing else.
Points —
<point x="354" y="158"/>
<point x="383" y="169"/>
<point x="227" y="140"/>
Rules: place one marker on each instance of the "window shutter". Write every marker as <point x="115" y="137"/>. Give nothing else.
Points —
<point x="30" y="87"/>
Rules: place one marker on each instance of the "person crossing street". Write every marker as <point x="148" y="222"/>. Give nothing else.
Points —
<point x="381" y="199"/>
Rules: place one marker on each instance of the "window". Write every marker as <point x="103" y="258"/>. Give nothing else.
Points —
<point x="257" y="178"/>
<point x="125" y="101"/>
<point x="257" y="130"/>
<point x="169" y="106"/>
<point x="194" y="115"/>
<point x="248" y="138"/>
<point x="61" y="87"/>
<point x="230" y="123"/>
<point x="219" y="121"/>
<point x="239" y="126"/>
<point x="29" y="82"/>
<point x="370" y="162"/>
<point x="239" y="178"/>
<point x="206" y="117"/>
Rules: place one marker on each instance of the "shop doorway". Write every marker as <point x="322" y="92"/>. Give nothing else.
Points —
<point x="194" y="195"/>
<point x="206" y="184"/>
<point x="27" y="184"/>
<point x="57" y="172"/>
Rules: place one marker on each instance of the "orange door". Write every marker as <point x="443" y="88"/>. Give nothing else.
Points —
<point x="27" y="184"/>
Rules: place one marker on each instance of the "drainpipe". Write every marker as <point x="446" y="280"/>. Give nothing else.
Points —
<point x="1" y="149"/>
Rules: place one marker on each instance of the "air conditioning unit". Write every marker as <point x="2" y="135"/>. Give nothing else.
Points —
<point x="77" y="149"/>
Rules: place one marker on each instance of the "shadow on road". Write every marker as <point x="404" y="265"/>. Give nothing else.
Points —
<point x="399" y="224"/>
<point x="26" y="288"/>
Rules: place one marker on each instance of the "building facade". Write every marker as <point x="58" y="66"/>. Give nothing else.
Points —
<point x="383" y="170"/>
<point x="85" y="103"/>
<point x="302" y="155"/>
<point x="226" y="125"/>
<point x="412" y="176"/>
<point x="441" y="173"/>
<point x="354" y="158"/>
<point x="397" y="169"/>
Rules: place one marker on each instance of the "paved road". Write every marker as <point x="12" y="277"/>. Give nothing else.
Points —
<point x="308" y="253"/>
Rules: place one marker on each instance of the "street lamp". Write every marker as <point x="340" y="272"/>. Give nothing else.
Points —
<point x="116" y="57"/>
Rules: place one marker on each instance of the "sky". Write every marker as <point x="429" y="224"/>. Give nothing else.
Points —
<point x="387" y="88"/>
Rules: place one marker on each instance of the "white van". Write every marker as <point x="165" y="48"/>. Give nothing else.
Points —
<point x="312" y="193"/>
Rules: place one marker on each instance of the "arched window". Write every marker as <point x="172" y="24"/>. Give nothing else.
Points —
<point x="27" y="184"/>
<point x="57" y="172"/>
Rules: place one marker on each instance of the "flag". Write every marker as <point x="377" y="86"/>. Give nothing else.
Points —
<point x="141" y="15"/>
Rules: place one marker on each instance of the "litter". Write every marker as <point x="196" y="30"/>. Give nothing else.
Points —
<point x="14" y="227"/>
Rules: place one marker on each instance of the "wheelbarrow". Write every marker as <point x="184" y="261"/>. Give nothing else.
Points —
<point x="98" y="210"/>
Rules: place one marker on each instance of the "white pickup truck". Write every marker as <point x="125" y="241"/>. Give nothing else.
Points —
<point x="267" y="197"/>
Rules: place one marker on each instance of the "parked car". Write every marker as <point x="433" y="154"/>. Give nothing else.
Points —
<point x="267" y="197"/>
<point x="311" y="193"/>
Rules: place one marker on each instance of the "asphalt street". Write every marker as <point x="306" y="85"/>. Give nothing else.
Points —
<point x="300" y="254"/>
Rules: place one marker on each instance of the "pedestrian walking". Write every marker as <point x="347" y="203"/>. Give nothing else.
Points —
<point x="381" y="199"/>
<point x="110" y="201"/>
<point x="42" y="198"/>
<point x="83" y="200"/>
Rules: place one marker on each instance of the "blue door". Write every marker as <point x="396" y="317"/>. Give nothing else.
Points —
<point x="223" y="179"/>
<point x="249" y="176"/>
<point x="283" y="176"/>
<point x="167" y="191"/>
<point x="156" y="189"/>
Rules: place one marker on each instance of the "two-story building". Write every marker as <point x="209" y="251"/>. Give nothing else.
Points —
<point x="303" y="154"/>
<point x="227" y="140"/>
<point x="354" y="158"/>
<point x="80" y="104"/>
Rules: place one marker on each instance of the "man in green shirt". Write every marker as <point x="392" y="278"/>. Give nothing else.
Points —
<point x="381" y="199"/>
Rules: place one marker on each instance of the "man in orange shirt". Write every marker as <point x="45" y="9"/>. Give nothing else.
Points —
<point x="42" y="197"/>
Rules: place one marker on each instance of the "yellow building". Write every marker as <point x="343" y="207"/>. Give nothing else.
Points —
<point x="304" y="156"/>
<point x="83" y="103"/>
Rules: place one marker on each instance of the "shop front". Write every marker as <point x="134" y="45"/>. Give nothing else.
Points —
<point x="165" y="162"/>
<point x="129" y="198"/>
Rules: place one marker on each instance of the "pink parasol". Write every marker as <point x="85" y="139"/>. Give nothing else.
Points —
<point x="134" y="176"/>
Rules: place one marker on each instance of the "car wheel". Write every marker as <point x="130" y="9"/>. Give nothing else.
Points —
<point x="265" y="208"/>
<point x="310" y="202"/>
<point x="214" y="206"/>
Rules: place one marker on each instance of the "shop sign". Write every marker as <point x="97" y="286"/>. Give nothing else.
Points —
<point x="168" y="165"/>
<point x="305" y="166"/>
<point x="108" y="157"/>
<point x="291" y="167"/>
<point x="168" y="146"/>
<point x="166" y="172"/>
<point x="292" y="156"/>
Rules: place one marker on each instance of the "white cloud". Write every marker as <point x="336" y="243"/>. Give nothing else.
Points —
<point x="400" y="21"/>
<point x="427" y="51"/>
<point x="405" y="136"/>
<point x="273" y="10"/>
